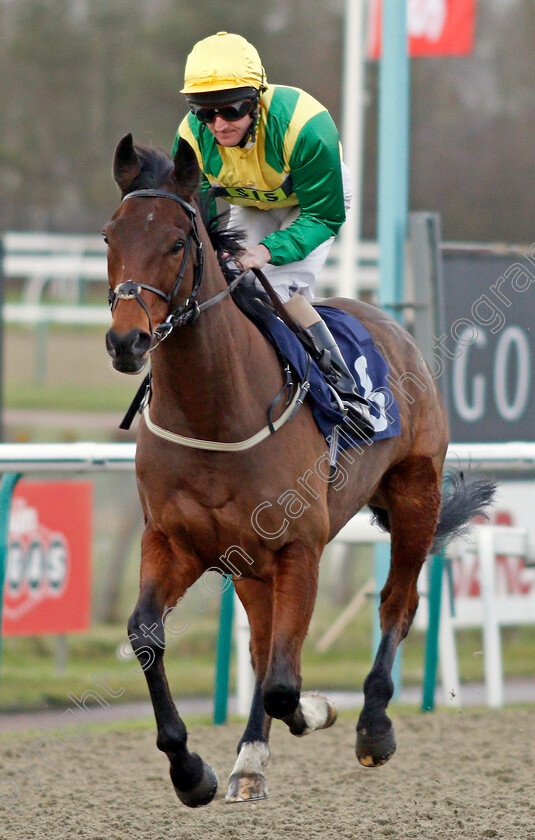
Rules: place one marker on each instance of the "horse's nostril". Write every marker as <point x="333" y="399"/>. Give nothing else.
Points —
<point x="110" y="347"/>
<point x="141" y="344"/>
<point x="135" y="343"/>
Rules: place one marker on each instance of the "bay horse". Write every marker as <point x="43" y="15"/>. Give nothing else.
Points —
<point x="214" y="376"/>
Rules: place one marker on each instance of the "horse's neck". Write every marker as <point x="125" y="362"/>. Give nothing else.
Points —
<point x="215" y="378"/>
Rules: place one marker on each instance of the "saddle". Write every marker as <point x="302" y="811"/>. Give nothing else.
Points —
<point x="296" y="347"/>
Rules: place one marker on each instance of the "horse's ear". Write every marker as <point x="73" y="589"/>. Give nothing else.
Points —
<point x="126" y="164"/>
<point x="187" y="170"/>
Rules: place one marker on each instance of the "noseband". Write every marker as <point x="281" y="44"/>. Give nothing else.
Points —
<point x="189" y="310"/>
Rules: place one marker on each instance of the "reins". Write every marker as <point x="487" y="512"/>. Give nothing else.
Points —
<point x="187" y="313"/>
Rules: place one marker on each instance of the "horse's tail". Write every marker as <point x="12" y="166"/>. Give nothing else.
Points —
<point x="464" y="496"/>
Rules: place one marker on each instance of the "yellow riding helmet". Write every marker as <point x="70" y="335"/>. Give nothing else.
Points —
<point x="223" y="62"/>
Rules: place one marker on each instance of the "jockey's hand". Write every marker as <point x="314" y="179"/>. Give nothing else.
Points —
<point x="254" y="256"/>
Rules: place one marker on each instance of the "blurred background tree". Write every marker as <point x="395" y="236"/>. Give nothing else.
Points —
<point x="78" y="74"/>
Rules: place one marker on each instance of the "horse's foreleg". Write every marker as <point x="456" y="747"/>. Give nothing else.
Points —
<point x="162" y="585"/>
<point x="294" y="595"/>
<point x="247" y="781"/>
<point x="294" y="588"/>
<point x="412" y="495"/>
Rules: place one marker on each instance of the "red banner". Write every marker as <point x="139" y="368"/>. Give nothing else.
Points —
<point x="435" y="27"/>
<point x="48" y="574"/>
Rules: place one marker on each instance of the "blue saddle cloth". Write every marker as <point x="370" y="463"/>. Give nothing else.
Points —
<point x="362" y="358"/>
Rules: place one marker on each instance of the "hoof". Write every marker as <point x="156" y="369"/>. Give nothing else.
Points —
<point x="314" y="712"/>
<point x="332" y="714"/>
<point x="202" y="793"/>
<point x="248" y="787"/>
<point x="374" y="751"/>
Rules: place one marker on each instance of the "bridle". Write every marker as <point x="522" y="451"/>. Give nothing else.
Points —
<point x="186" y="313"/>
<point x="190" y="309"/>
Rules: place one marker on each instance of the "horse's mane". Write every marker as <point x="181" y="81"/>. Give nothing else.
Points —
<point x="156" y="170"/>
<point x="229" y="241"/>
<point x="224" y="240"/>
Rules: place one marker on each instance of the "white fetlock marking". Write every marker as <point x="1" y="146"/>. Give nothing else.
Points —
<point x="253" y="757"/>
<point x="315" y="709"/>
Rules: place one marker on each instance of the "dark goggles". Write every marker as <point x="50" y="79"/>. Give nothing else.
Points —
<point x="230" y="113"/>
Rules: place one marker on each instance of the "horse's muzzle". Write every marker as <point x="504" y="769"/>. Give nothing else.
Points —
<point x="129" y="352"/>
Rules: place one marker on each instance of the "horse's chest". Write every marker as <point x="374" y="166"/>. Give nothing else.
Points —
<point x="211" y="530"/>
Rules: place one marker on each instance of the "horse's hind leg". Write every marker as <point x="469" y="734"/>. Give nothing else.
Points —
<point x="163" y="582"/>
<point x="410" y="492"/>
<point x="247" y="781"/>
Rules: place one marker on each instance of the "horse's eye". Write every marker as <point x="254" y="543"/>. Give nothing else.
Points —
<point x="105" y="238"/>
<point x="176" y="247"/>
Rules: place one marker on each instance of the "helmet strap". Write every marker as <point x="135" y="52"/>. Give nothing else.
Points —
<point x="249" y="138"/>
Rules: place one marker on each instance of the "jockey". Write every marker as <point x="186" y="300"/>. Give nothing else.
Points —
<point x="272" y="152"/>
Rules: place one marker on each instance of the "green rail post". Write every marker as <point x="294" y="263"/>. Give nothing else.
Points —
<point x="431" y="641"/>
<point x="224" y="645"/>
<point x="392" y="208"/>
<point x="7" y="485"/>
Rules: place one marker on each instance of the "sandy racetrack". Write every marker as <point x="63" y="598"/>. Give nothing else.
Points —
<point x="455" y="775"/>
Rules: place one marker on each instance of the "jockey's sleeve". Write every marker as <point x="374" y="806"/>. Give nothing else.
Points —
<point x="315" y="170"/>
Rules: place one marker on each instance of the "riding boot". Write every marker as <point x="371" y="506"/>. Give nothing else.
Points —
<point x="358" y="407"/>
